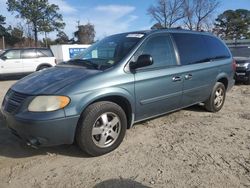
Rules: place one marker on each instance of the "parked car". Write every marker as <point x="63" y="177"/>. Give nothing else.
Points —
<point x="117" y="82"/>
<point x="241" y="55"/>
<point x="16" y="61"/>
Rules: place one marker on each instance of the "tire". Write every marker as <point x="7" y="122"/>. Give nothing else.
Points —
<point x="96" y="134"/>
<point x="42" y="67"/>
<point x="217" y="98"/>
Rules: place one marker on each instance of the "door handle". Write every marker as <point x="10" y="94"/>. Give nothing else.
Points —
<point x="188" y="77"/>
<point x="176" y="79"/>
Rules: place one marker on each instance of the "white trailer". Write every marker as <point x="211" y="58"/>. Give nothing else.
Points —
<point x="66" y="52"/>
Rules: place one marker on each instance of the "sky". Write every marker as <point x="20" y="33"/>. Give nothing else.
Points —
<point x="110" y="16"/>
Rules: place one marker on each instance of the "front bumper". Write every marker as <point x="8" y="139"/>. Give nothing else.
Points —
<point x="242" y="74"/>
<point x="49" y="132"/>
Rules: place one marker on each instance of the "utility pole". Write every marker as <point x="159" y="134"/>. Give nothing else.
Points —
<point x="78" y="23"/>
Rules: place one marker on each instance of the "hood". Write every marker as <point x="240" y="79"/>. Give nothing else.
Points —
<point x="51" y="80"/>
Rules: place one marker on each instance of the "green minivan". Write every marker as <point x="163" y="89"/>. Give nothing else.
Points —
<point x="117" y="82"/>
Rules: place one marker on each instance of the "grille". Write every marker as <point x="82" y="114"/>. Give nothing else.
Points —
<point x="13" y="101"/>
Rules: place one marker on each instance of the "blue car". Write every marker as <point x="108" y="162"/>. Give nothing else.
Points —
<point x="117" y="82"/>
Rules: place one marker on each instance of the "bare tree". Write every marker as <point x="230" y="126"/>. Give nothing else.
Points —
<point x="198" y="12"/>
<point x="167" y="12"/>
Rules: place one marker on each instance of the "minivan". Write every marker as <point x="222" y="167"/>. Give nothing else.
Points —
<point x="119" y="81"/>
<point x="24" y="61"/>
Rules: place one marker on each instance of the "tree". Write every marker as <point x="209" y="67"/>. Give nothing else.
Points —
<point x="14" y="36"/>
<point x="85" y="34"/>
<point x="157" y="26"/>
<point x="2" y="31"/>
<point x="2" y="23"/>
<point x="62" y="38"/>
<point x="198" y="12"/>
<point x="43" y="17"/>
<point x="233" y="24"/>
<point x="167" y="12"/>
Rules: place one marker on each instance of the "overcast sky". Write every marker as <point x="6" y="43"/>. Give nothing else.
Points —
<point x="110" y="16"/>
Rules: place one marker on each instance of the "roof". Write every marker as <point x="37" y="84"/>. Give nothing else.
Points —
<point x="30" y="48"/>
<point x="171" y="30"/>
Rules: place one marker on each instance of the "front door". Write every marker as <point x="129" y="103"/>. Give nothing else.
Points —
<point x="158" y="88"/>
<point x="11" y="62"/>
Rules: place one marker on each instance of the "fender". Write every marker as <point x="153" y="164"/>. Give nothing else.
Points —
<point x="222" y="75"/>
<point x="43" y="64"/>
<point x="90" y="97"/>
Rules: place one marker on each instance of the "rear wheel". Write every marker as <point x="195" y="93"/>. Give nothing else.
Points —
<point x="101" y="128"/>
<point x="217" y="98"/>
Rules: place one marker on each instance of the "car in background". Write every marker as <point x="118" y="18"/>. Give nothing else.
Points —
<point x="241" y="55"/>
<point x="28" y="60"/>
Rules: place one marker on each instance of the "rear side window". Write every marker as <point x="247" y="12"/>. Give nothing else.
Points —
<point x="28" y="54"/>
<point x="161" y="49"/>
<point x="216" y="48"/>
<point x="191" y="48"/>
<point x="195" y="48"/>
<point x="44" y="53"/>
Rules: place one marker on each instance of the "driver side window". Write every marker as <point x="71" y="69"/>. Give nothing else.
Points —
<point x="161" y="49"/>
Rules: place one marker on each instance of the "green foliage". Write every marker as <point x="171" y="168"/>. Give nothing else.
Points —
<point x="43" y="16"/>
<point x="62" y="38"/>
<point x="2" y="28"/>
<point x="47" y="42"/>
<point x="15" y="36"/>
<point x="233" y="24"/>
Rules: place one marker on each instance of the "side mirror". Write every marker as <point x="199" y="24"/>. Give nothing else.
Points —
<point x="142" y="61"/>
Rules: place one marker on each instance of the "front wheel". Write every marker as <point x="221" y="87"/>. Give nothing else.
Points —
<point x="217" y="98"/>
<point x="101" y="128"/>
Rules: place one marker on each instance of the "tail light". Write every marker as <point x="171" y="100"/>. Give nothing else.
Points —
<point x="234" y="65"/>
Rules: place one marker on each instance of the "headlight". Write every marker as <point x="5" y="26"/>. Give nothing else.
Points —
<point x="246" y="65"/>
<point x="48" y="103"/>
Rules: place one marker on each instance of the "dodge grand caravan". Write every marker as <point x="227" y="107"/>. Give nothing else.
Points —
<point x="121" y="80"/>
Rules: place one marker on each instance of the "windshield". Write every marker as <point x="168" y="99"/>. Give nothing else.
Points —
<point x="240" y="51"/>
<point x="107" y="52"/>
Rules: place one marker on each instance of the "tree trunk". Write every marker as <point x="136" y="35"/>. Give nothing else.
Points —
<point x="35" y="33"/>
<point x="46" y="42"/>
<point x="3" y="42"/>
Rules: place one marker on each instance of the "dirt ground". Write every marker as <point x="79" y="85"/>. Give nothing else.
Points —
<point x="188" y="148"/>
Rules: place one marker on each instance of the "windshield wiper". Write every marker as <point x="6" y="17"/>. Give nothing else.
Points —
<point x="81" y="62"/>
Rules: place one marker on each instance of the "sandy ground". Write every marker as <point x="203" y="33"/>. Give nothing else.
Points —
<point x="188" y="148"/>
